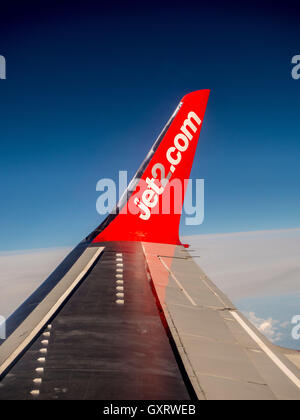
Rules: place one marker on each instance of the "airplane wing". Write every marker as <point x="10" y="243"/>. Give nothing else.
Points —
<point x="129" y="314"/>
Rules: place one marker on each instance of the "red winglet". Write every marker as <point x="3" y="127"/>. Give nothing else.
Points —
<point x="143" y="216"/>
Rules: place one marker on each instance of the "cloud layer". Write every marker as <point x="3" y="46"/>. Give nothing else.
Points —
<point x="251" y="263"/>
<point x="22" y="272"/>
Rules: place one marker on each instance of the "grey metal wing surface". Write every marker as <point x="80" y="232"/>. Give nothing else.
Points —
<point x="225" y="356"/>
<point x="97" y="334"/>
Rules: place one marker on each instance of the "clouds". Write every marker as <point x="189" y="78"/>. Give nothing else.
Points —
<point x="21" y="272"/>
<point x="269" y="327"/>
<point x="251" y="263"/>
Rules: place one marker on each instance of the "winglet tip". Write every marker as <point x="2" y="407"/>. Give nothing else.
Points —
<point x="196" y="94"/>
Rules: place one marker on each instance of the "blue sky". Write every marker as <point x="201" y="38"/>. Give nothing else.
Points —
<point x="89" y="88"/>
